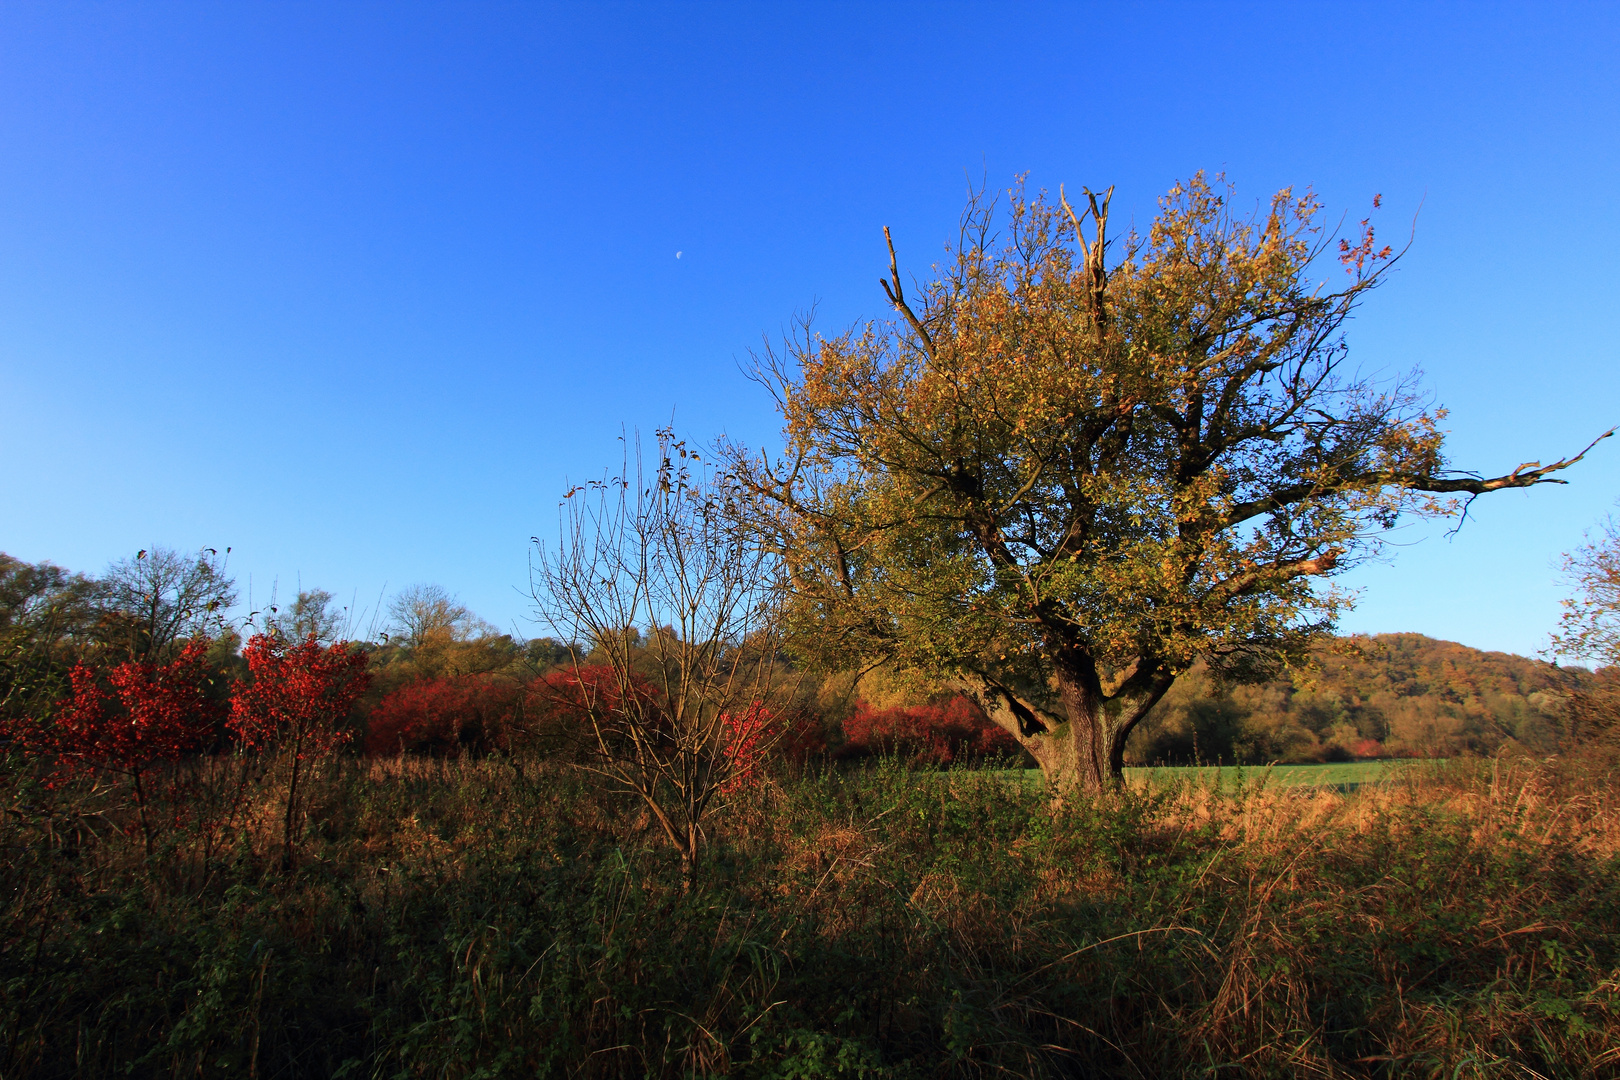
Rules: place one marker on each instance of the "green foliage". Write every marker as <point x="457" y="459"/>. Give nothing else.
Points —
<point x="466" y="919"/>
<point x="1393" y="695"/>
<point x="1064" y="472"/>
<point x="47" y="616"/>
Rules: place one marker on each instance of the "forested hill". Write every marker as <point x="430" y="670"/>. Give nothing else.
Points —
<point x="1399" y="695"/>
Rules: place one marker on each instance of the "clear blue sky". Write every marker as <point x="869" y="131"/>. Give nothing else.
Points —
<point x="356" y="289"/>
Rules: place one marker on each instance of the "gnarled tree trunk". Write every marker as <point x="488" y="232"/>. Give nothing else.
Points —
<point x="1082" y="750"/>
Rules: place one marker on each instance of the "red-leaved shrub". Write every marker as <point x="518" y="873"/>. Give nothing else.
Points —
<point x="804" y="738"/>
<point x="938" y="733"/>
<point x="749" y="736"/>
<point x="297" y="697"/>
<point x="576" y="701"/>
<point x="1367" y="748"/>
<point x="298" y="694"/>
<point x="580" y="691"/>
<point x="446" y="717"/>
<point x="143" y="714"/>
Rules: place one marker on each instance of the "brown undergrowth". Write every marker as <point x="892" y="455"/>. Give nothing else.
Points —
<point x="494" y="918"/>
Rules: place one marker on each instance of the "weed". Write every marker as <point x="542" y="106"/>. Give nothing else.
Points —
<point x="464" y="918"/>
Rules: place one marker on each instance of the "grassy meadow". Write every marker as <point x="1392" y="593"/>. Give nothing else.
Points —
<point x="488" y="919"/>
<point x="1340" y="775"/>
<point x="1336" y="774"/>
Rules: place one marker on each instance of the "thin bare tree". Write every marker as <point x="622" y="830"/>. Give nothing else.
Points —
<point x="422" y="614"/>
<point x="161" y="596"/>
<point x="676" y="603"/>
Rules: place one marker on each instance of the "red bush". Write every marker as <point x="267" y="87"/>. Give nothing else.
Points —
<point x="805" y="738"/>
<point x="446" y="717"/>
<point x="938" y="733"/>
<point x="449" y="717"/>
<point x="298" y="694"/>
<point x="143" y="714"/>
<point x="757" y="736"/>
<point x="155" y="712"/>
<point x="296" y="699"/>
<point x="748" y="736"/>
<point x="595" y="687"/>
<point x="575" y="698"/>
<point x="1367" y="748"/>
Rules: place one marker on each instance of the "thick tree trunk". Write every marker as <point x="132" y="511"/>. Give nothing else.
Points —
<point x="1082" y="751"/>
<point x="1084" y="755"/>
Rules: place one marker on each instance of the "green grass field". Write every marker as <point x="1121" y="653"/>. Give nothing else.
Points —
<point x="1345" y="776"/>
<point x="1338" y="774"/>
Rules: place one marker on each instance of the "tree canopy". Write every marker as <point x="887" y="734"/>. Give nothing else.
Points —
<point x="1590" y="627"/>
<point x="1070" y="467"/>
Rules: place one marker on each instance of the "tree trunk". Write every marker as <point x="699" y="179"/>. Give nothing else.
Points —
<point x="140" y="805"/>
<point x="1085" y="754"/>
<point x="1082" y="751"/>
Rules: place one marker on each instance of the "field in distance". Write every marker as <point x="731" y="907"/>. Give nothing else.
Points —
<point x="1345" y="775"/>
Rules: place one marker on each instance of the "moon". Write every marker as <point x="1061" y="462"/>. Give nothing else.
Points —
<point x="677" y="254"/>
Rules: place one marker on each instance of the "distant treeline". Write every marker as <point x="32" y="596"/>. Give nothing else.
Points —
<point x="446" y="683"/>
<point x="1390" y="695"/>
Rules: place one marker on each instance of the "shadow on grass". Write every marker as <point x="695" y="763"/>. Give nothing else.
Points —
<point x="473" y="919"/>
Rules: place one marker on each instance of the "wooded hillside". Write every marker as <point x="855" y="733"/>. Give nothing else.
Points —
<point x="1396" y="695"/>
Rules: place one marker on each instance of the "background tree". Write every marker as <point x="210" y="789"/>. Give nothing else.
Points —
<point x="675" y="599"/>
<point x="159" y="597"/>
<point x="1590" y="626"/>
<point x="423" y="614"/>
<point x="544" y="653"/>
<point x="313" y="613"/>
<point x="1067" y="471"/>
<point x="433" y="635"/>
<point x="46" y="621"/>
<point x="1590" y="630"/>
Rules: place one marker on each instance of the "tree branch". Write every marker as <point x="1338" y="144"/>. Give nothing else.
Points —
<point x="1018" y="717"/>
<point x="1262" y="576"/>
<point x="1526" y="475"/>
<point x="1531" y="472"/>
<point x="897" y="297"/>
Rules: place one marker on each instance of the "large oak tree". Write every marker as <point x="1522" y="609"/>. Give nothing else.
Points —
<point x="1069" y="467"/>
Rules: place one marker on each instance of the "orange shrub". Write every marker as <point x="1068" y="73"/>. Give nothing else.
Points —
<point x="446" y="717"/>
<point x="938" y="733"/>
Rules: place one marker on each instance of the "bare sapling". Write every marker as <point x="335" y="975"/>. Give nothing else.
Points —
<point x="674" y="603"/>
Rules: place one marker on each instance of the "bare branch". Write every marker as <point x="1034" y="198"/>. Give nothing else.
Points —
<point x="897" y="297"/>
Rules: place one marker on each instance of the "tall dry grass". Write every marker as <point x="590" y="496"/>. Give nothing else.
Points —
<point x="495" y="918"/>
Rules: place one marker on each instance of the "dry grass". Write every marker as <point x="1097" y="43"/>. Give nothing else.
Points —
<point x="477" y="918"/>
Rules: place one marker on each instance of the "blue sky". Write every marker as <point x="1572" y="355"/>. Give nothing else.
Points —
<point x="357" y="289"/>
